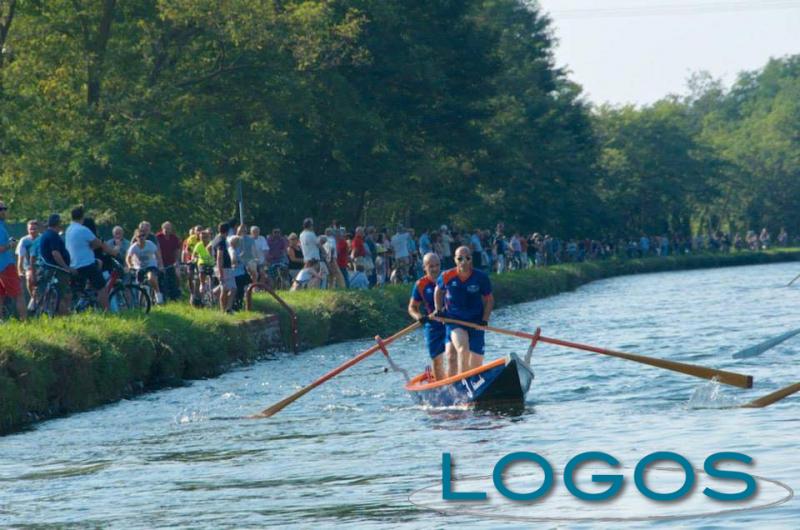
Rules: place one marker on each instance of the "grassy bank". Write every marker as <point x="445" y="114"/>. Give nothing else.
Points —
<point x="53" y="367"/>
<point x="326" y="317"/>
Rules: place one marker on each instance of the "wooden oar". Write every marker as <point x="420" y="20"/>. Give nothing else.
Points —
<point x="791" y="282"/>
<point x="760" y="348"/>
<point x="769" y="399"/>
<point x="277" y="407"/>
<point x="728" y="378"/>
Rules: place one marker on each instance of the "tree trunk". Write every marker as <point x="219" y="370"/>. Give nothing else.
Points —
<point x="6" y="17"/>
<point x="97" y="51"/>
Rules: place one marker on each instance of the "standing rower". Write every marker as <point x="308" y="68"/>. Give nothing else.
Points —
<point x="465" y="293"/>
<point x="420" y="306"/>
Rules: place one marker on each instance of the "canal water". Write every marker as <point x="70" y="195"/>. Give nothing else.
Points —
<point x="354" y="450"/>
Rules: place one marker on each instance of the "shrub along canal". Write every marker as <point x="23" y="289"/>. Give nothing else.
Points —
<point x="354" y="449"/>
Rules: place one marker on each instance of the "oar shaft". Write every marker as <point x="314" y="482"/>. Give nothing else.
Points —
<point x="778" y="395"/>
<point x="277" y="407"/>
<point x="728" y="378"/>
<point x="795" y="279"/>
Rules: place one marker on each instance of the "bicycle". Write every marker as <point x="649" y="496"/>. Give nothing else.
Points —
<point x="124" y="296"/>
<point x="205" y="285"/>
<point x="279" y="276"/>
<point x="47" y="297"/>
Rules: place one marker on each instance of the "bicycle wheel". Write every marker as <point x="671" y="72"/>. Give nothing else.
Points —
<point x="47" y="303"/>
<point x="207" y="297"/>
<point x="129" y="299"/>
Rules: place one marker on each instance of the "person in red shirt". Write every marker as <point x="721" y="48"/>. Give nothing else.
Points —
<point x="342" y="255"/>
<point x="170" y="245"/>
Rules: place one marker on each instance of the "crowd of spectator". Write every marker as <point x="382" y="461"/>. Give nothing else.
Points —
<point x="215" y="266"/>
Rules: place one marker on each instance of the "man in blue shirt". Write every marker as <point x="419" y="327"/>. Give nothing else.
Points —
<point x="10" y="284"/>
<point x="420" y="306"/>
<point x="55" y="260"/>
<point x="465" y="293"/>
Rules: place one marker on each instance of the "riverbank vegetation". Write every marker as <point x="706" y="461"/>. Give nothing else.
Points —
<point x="358" y="109"/>
<point x="50" y="367"/>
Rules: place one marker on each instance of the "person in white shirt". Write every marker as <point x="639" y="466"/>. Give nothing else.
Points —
<point x="26" y="257"/>
<point x="143" y="259"/>
<point x="309" y="277"/>
<point x="262" y="249"/>
<point x="402" y="256"/>
<point x="80" y="243"/>
<point x="308" y="241"/>
<point x="335" y="276"/>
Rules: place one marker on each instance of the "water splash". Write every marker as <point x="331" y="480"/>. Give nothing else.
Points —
<point x="709" y="396"/>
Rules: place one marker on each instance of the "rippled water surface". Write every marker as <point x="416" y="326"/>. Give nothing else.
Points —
<point x="353" y="450"/>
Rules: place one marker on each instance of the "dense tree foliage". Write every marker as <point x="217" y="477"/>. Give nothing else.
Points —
<point x="368" y="110"/>
<point x="716" y="159"/>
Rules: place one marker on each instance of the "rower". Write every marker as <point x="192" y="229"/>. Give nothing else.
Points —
<point x="422" y="293"/>
<point x="465" y="293"/>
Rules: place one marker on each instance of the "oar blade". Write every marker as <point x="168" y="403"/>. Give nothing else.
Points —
<point x="760" y="348"/>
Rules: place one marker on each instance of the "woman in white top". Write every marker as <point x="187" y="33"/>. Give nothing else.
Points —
<point x="143" y="258"/>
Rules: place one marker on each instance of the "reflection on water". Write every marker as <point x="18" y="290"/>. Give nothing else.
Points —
<point x="354" y="449"/>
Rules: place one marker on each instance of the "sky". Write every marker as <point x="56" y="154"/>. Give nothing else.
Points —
<point x="638" y="51"/>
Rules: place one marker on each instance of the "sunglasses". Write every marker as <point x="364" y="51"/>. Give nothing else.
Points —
<point x="3" y="208"/>
<point x="463" y="258"/>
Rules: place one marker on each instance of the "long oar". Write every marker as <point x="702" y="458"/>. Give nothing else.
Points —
<point x="791" y="282"/>
<point x="778" y="395"/>
<point x="760" y="348"/>
<point x="277" y="407"/>
<point x="728" y="378"/>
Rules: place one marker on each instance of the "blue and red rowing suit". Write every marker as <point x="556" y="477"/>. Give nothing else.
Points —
<point x="463" y="300"/>
<point x="422" y="292"/>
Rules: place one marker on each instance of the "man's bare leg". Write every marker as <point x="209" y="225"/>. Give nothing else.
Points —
<point x="459" y="338"/>
<point x="438" y="367"/>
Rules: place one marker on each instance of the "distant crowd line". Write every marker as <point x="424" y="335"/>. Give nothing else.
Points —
<point x="216" y="265"/>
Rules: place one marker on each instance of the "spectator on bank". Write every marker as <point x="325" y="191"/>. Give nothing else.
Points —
<point x="446" y="241"/>
<point x="262" y="251"/>
<point x="224" y="268"/>
<point x="335" y="277"/>
<point x="27" y="252"/>
<point x="295" y="253"/>
<point x="81" y="243"/>
<point x="277" y="251"/>
<point x="342" y="259"/>
<point x="10" y="285"/>
<point x="309" y="242"/>
<point x="142" y="258"/>
<point x="359" y="279"/>
<point x="248" y="252"/>
<point x="309" y="277"/>
<point x="118" y="241"/>
<point x="169" y="245"/>
<point x="241" y="277"/>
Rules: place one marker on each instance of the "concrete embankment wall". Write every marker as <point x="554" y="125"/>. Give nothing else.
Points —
<point x="50" y="368"/>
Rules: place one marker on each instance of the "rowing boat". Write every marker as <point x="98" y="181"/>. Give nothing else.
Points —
<point x="505" y="380"/>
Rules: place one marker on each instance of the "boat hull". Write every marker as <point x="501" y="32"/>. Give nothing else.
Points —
<point x="502" y="381"/>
